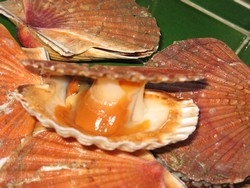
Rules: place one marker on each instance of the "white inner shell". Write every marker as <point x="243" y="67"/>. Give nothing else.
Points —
<point x="171" y="119"/>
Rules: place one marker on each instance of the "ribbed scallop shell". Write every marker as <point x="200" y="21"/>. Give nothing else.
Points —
<point x="219" y="151"/>
<point x="48" y="160"/>
<point x="84" y="29"/>
<point x="15" y="122"/>
<point x="183" y="114"/>
<point x="129" y="73"/>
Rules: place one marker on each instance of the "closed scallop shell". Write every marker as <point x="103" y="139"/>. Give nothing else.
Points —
<point x="218" y="152"/>
<point x="84" y="29"/>
<point x="42" y="100"/>
<point x="15" y="122"/>
<point x="48" y="160"/>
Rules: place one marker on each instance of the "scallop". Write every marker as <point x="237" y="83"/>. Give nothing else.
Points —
<point x="218" y="152"/>
<point x="108" y="106"/>
<point x="84" y="29"/>
<point x="33" y="156"/>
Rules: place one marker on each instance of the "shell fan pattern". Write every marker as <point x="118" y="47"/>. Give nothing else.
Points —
<point x="76" y="30"/>
<point x="48" y="160"/>
<point x="15" y="122"/>
<point x="219" y="150"/>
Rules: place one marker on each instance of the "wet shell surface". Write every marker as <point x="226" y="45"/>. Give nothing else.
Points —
<point x="219" y="151"/>
<point x="32" y="156"/>
<point x="84" y="29"/>
<point x="115" y="112"/>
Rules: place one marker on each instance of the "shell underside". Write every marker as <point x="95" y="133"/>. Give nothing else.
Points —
<point x="218" y="152"/>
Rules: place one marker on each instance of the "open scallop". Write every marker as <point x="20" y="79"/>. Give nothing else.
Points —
<point x="108" y="106"/>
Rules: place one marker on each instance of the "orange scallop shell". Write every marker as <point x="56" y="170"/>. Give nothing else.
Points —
<point x="84" y="29"/>
<point x="219" y="151"/>
<point x="48" y="160"/>
<point x="15" y="122"/>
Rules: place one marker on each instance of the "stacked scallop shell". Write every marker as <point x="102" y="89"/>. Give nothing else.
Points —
<point x="218" y="152"/>
<point x="77" y="30"/>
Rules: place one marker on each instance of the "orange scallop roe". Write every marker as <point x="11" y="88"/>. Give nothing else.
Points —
<point x="100" y="117"/>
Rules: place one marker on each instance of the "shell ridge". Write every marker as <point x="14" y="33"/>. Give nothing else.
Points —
<point x="131" y="73"/>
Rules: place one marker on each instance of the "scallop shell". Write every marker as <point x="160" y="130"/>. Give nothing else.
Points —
<point x="42" y="100"/>
<point x="218" y="152"/>
<point x="48" y="160"/>
<point x="15" y="122"/>
<point x="84" y="29"/>
<point x="32" y="156"/>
